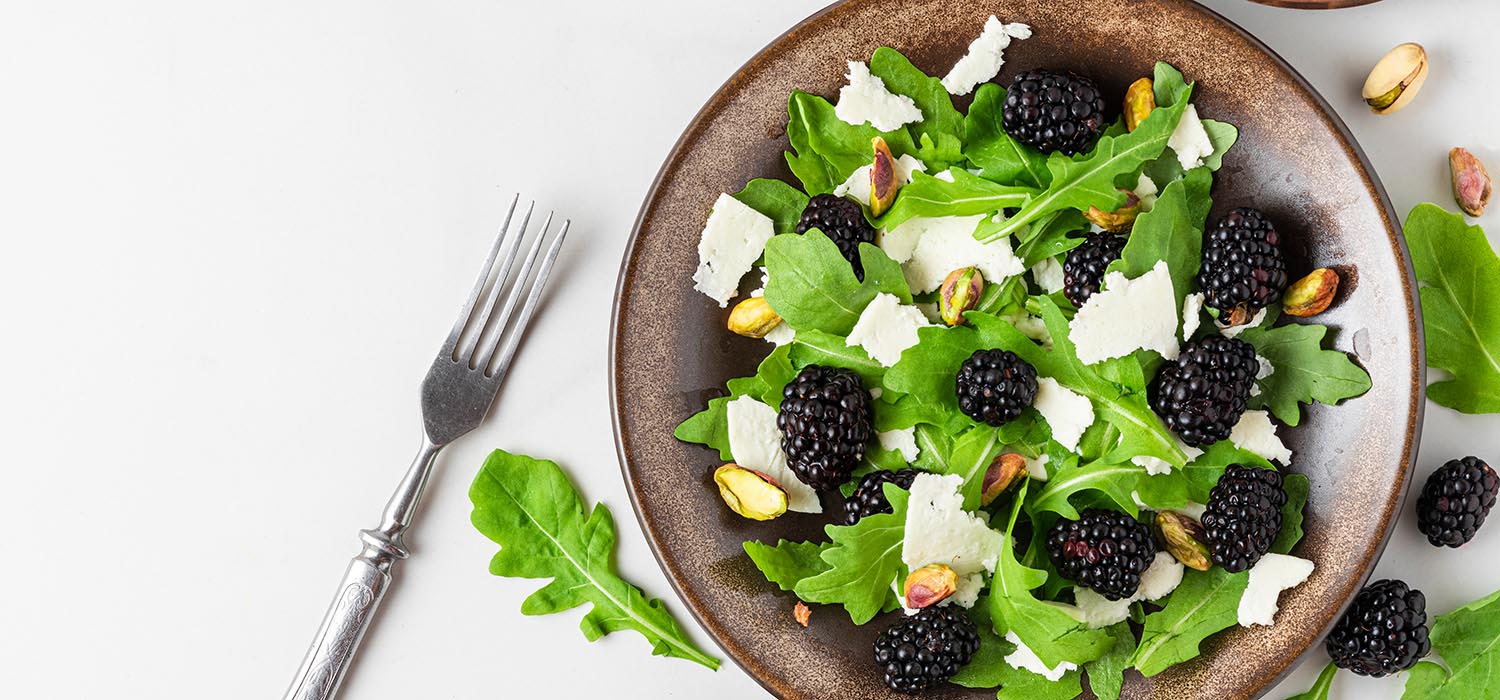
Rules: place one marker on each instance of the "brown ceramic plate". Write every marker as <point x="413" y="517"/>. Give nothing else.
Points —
<point x="1295" y="160"/>
<point x="1316" y="4"/>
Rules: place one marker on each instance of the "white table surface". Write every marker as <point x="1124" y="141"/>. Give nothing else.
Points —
<point x="234" y="233"/>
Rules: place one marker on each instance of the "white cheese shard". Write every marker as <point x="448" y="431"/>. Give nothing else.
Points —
<point x="1036" y="467"/>
<point x="858" y="184"/>
<point x="1256" y="433"/>
<point x="733" y="239"/>
<point x="940" y="531"/>
<point x="1024" y="658"/>
<point x="1161" y="578"/>
<point x="985" y="57"/>
<point x="866" y="100"/>
<point x="1048" y="275"/>
<point x="755" y="442"/>
<point x="930" y="248"/>
<point x="1067" y="412"/>
<point x="1266" y="369"/>
<point x="1190" y="140"/>
<point x="1193" y="509"/>
<point x="1234" y="331"/>
<point x="886" y="328"/>
<point x="1158" y="467"/>
<point x="903" y="440"/>
<point x="1145" y="190"/>
<point x="1098" y="611"/>
<point x="1192" y="314"/>
<point x="1158" y="581"/>
<point x="1128" y="315"/>
<point x="1270" y="576"/>
<point x="945" y="176"/>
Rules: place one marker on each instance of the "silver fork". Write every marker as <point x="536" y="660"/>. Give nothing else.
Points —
<point x="456" y="395"/>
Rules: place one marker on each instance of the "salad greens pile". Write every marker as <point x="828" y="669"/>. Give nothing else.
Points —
<point x="1126" y="459"/>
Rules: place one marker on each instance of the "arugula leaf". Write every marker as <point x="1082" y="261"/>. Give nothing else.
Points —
<point x="711" y="425"/>
<point x="1091" y="181"/>
<point x="1107" y="673"/>
<point x="1021" y="684"/>
<point x="813" y="287"/>
<point x="1304" y="371"/>
<point x="998" y="156"/>
<point x="1468" y="639"/>
<point x="971" y="457"/>
<point x="1320" y="689"/>
<point x="925" y="374"/>
<point x="1168" y="85"/>
<point x="1171" y="232"/>
<point x="1297" y="487"/>
<point x="529" y="508"/>
<point x="776" y="199"/>
<point x="826" y="149"/>
<point x="967" y="195"/>
<point x="941" y="131"/>
<point x="863" y="560"/>
<point x="1205" y="603"/>
<point x="814" y="347"/>
<point x="1460" y="278"/>
<point x="1117" y="482"/>
<point x="1048" y="237"/>
<point x="788" y="562"/>
<point x="1204" y="471"/>
<point x="1223" y="136"/>
<point x="987" y="668"/>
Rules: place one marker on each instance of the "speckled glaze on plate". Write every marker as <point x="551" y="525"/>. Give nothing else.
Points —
<point x="1295" y="160"/>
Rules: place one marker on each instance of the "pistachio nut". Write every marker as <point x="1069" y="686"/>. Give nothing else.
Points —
<point x="1140" y="99"/>
<point x="801" y="613"/>
<point x="753" y="318"/>
<point x="1312" y="294"/>
<point x="1119" y="220"/>
<point x="1395" y="80"/>
<point x="930" y="585"/>
<point x="1007" y="470"/>
<point x="960" y="293"/>
<point x="750" y="493"/>
<point x="1471" y="182"/>
<point x="884" y="181"/>
<point x="1184" y="537"/>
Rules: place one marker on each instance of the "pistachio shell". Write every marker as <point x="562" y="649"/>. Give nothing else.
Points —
<point x="1396" y="79"/>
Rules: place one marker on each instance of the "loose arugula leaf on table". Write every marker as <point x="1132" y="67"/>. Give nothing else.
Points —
<point x="826" y="149"/>
<point x="711" y="425"/>
<point x="529" y="508"/>
<point x="967" y="195"/>
<point x="813" y="287"/>
<point x="1460" y="279"/>
<point x="776" y="199"/>
<point x="1206" y="602"/>
<point x="1303" y="371"/>
<point x="1468" y="640"/>
<point x="998" y="156"/>
<point x="787" y="563"/>
<point x="1320" y="688"/>
<point x="1117" y="482"/>
<point x="1093" y="180"/>
<point x="863" y="559"/>
<point x="940" y="133"/>
<point x="816" y="347"/>
<point x="987" y="668"/>
<point x="1107" y="673"/>
<point x="1171" y="232"/>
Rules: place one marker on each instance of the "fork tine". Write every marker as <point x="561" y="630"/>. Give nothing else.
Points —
<point x="502" y="362"/>
<point x="482" y="362"/>
<point x="451" y="345"/>
<point x="466" y="353"/>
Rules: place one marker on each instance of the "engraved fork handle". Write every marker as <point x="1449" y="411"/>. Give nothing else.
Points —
<point x="363" y="587"/>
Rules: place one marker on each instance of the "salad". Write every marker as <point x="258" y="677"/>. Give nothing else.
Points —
<point x="1035" y="394"/>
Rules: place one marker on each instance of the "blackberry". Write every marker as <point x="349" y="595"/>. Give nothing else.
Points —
<point x="925" y="650"/>
<point x="1054" y="111"/>
<point x="825" y="423"/>
<point x="994" y="386"/>
<point x="1243" y="271"/>
<point x="1243" y="516"/>
<point x="1456" y="500"/>
<point x="843" y="221"/>
<point x="1383" y="631"/>
<point x="1102" y="550"/>
<point x="1201" y="394"/>
<point x="1083" y="269"/>
<point x="869" y="497"/>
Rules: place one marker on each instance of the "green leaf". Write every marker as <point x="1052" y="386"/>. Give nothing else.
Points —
<point x="1320" y="689"/>
<point x="826" y="150"/>
<point x="1107" y="673"/>
<point x="998" y="156"/>
<point x="1223" y="136"/>
<point x="1468" y="639"/>
<point x="1460" y="279"/>
<point x="708" y="427"/>
<point x="1303" y="371"/>
<point x="1048" y="237"/>
<point x="814" y="347"/>
<point x="1092" y="180"/>
<point x="776" y="199"/>
<point x="1205" y="603"/>
<point x="1204" y="471"/>
<point x="711" y="425"/>
<point x="1021" y="684"/>
<point x="925" y="374"/>
<point x="971" y="456"/>
<point x="987" y="669"/>
<point x="529" y="508"/>
<point x="1172" y="232"/>
<point x="788" y="562"/>
<point x="941" y="130"/>
<point x="967" y="195"/>
<point x="1296" y="486"/>
<point x="863" y="560"/>
<point x="1168" y="86"/>
<point x="813" y="287"/>
<point x="1116" y="482"/>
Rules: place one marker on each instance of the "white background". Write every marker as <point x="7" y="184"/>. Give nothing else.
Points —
<point x="234" y="234"/>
